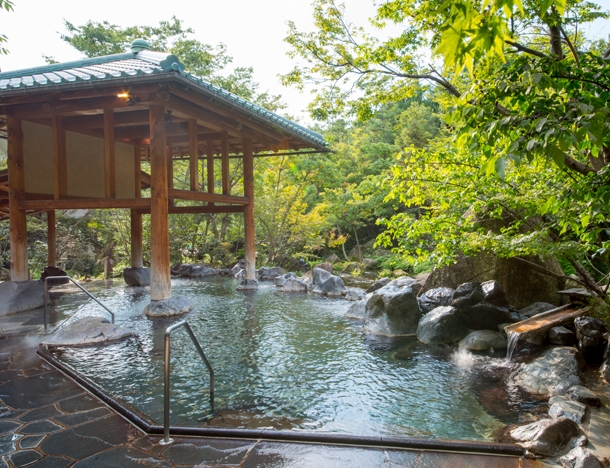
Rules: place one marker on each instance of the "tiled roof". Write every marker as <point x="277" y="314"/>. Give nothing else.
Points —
<point x="140" y="62"/>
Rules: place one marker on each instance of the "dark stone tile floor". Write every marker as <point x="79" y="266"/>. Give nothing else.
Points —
<point x="48" y="421"/>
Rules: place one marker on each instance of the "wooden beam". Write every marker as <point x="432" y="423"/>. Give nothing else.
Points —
<point x="160" y="277"/>
<point x="249" y="240"/>
<point x="16" y="184"/>
<point x="83" y="204"/>
<point x="170" y="170"/>
<point x="210" y="167"/>
<point x="51" y="239"/>
<point x="109" y="158"/>
<point x="137" y="168"/>
<point x="193" y="156"/>
<point x="224" y="150"/>
<point x="206" y="197"/>
<point x="60" y="160"/>
<point x="201" y="209"/>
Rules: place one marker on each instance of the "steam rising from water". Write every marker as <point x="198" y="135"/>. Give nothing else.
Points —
<point x="463" y="358"/>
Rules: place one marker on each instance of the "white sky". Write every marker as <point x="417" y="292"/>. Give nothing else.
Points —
<point x="253" y="31"/>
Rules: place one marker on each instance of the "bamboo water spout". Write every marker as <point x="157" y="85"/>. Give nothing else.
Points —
<point x="534" y="329"/>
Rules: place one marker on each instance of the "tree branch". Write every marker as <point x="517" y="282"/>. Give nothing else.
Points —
<point x="522" y="48"/>
<point x="570" y="45"/>
<point x="546" y="271"/>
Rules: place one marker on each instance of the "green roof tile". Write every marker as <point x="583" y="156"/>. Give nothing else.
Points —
<point x="132" y="65"/>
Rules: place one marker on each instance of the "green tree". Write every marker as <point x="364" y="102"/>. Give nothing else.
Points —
<point x="6" y="5"/>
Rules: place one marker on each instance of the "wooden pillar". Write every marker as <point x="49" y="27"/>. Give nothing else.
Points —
<point x="193" y="155"/>
<point x="210" y="167"/>
<point x="160" y="280"/>
<point x="170" y="170"/>
<point x="16" y="187"/>
<point x="137" y="258"/>
<point x="226" y="184"/>
<point x="60" y="161"/>
<point x="109" y="159"/>
<point x="51" y="239"/>
<point x="250" y="246"/>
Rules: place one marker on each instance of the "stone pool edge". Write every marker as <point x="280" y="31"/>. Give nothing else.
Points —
<point x="288" y="436"/>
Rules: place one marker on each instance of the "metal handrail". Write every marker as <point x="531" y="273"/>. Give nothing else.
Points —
<point x="46" y="297"/>
<point x="166" y="398"/>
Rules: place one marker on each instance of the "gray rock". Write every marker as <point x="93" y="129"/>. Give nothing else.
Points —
<point x="332" y="259"/>
<point x="167" y="307"/>
<point x="199" y="270"/>
<point x="136" y="276"/>
<point x="269" y="274"/>
<point x="380" y="283"/>
<point x="319" y="276"/>
<point x="333" y="286"/>
<point x="546" y="437"/>
<point x="240" y="274"/>
<point x="294" y="285"/>
<point x="434" y="298"/>
<point x="591" y="341"/>
<point x="279" y="281"/>
<point x="580" y="457"/>
<point x="536" y="308"/>
<point x="18" y="296"/>
<point x="393" y="309"/>
<point x="87" y="331"/>
<point x="483" y="340"/>
<point x="551" y="373"/>
<point x="247" y="285"/>
<point x="442" y="325"/>
<point x="326" y="266"/>
<point x="562" y="336"/>
<point x="583" y="395"/>
<point x="357" y="310"/>
<point x="562" y="406"/>
<point x="355" y="294"/>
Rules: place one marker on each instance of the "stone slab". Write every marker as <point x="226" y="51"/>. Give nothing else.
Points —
<point x="87" y="331"/>
<point x="168" y="307"/>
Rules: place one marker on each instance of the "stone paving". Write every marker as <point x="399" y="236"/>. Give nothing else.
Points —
<point x="48" y="421"/>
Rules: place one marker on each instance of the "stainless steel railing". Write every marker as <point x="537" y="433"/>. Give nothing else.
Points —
<point x="166" y="370"/>
<point x="46" y="298"/>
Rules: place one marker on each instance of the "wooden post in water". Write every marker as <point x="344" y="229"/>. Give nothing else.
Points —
<point x="160" y="280"/>
<point x="137" y="259"/>
<point x="51" y="239"/>
<point x="249" y="241"/>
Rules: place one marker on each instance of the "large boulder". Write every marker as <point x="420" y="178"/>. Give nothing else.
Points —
<point x="393" y="309"/>
<point x="17" y="296"/>
<point x="240" y="265"/>
<point x="482" y="306"/>
<point x="441" y="326"/>
<point x="483" y="340"/>
<point x="333" y="286"/>
<point x="547" y="437"/>
<point x="434" y="298"/>
<point x="354" y="294"/>
<point x="551" y="373"/>
<point x="176" y="305"/>
<point x="136" y="276"/>
<point x="523" y="283"/>
<point x="591" y="340"/>
<point x="87" y="331"/>
<point x="54" y="271"/>
<point x="583" y="395"/>
<point x="269" y="274"/>
<point x="198" y="270"/>
<point x="332" y="259"/>
<point x="606" y="365"/>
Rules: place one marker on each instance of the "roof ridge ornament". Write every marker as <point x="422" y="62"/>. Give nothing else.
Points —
<point x="138" y="45"/>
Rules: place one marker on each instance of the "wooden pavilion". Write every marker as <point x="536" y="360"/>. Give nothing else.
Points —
<point x="78" y="132"/>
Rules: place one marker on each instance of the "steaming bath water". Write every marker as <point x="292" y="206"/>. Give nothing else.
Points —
<point x="289" y="361"/>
